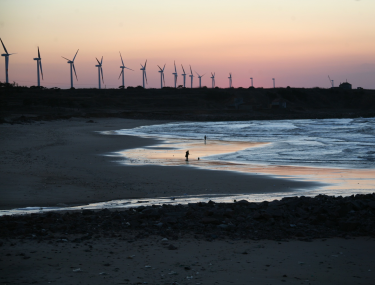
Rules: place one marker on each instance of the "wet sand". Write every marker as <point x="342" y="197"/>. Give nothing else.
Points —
<point x="64" y="163"/>
<point x="335" y="181"/>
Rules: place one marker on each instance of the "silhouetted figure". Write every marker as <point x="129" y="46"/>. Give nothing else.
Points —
<point x="205" y="138"/>
<point x="187" y="156"/>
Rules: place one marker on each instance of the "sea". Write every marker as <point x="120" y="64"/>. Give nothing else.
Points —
<point x="336" y="143"/>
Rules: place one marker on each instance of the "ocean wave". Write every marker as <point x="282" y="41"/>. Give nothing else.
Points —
<point x="327" y="142"/>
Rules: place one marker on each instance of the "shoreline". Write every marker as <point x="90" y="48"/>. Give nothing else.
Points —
<point x="63" y="162"/>
<point x="322" y="240"/>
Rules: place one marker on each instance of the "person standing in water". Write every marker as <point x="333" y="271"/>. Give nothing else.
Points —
<point x="205" y="138"/>
<point x="187" y="156"/>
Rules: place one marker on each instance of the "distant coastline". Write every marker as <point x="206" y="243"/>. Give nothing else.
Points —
<point x="22" y="104"/>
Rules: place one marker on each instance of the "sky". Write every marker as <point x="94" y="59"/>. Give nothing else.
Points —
<point x="297" y="42"/>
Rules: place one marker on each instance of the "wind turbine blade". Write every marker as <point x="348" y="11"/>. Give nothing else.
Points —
<point x="38" y="53"/>
<point x="203" y="75"/>
<point x="41" y="70"/>
<point x="175" y="69"/>
<point x="197" y="74"/>
<point x="183" y="68"/>
<point x="75" y="71"/>
<point x="146" y="76"/>
<point x="160" y="68"/>
<point x="4" y="46"/>
<point x="120" y="73"/>
<point x="101" y="62"/>
<point x="129" y="68"/>
<point x="212" y="74"/>
<point x="164" y="67"/>
<point x="191" y="70"/>
<point x="145" y="63"/>
<point x="122" y="60"/>
<point x="65" y="58"/>
<point x="75" y="55"/>
<point x="102" y="73"/>
<point x="97" y="61"/>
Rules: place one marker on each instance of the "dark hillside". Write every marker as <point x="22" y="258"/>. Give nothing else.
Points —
<point x="23" y="104"/>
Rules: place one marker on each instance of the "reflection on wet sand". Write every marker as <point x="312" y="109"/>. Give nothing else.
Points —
<point x="172" y="153"/>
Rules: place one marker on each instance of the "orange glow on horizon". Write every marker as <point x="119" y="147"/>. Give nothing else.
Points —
<point x="297" y="43"/>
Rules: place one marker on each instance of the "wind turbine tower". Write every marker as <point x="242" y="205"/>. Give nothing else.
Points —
<point x="191" y="76"/>
<point x="72" y="67"/>
<point x="200" y="79"/>
<point x="213" y="79"/>
<point x="230" y="80"/>
<point x="183" y="75"/>
<point x="252" y="85"/>
<point x="39" y="65"/>
<point x="161" y="76"/>
<point x="6" y="55"/>
<point x="330" y="80"/>
<point x="273" y="79"/>
<point x="175" y="75"/>
<point x="122" y="72"/>
<point x="144" y="76"/>
<point x="100" y="70"/>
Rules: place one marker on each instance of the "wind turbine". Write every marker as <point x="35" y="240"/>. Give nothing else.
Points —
<point x="175" y="75"/>
<point x="183" y="75"/>
<point x="273" y="79"/>
<point x="230" y="80"/>
<point x="200" y="79"/>
<point x="122" y="72"/>
<point x="213" y="79"/>
<point x="191" y="76"/>
<point x="71" y="62"/>
<point x="39" y="65"/>
<point x="330" y="80"/>
<point x="6" y="55"/>
<point x="161" y="76"/>
<point x="100" y="70"/>
<point x="252" y="85"/>
<point x="144" y="76"/>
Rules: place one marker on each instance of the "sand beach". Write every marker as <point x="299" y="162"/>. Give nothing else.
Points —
<point x="68" y="162"/>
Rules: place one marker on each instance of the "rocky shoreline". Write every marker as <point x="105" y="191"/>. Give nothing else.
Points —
<point x="301" y="218"/>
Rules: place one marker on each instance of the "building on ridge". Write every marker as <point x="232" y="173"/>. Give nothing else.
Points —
<point x="345" y="85"/>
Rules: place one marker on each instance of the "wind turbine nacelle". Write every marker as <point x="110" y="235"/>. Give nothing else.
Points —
<point x="4" y="54"/>
<point x="37" y="58"/>
<point x="97" y="65"/>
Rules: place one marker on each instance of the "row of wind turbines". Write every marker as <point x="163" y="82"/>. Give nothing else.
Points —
<point x="122" y="73"/>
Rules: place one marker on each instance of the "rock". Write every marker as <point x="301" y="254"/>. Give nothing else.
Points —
<point x="172" y="247"/>
<point x="348" y="226"/>
<point x="223" y="226"/>
<point x="208" y="220"/>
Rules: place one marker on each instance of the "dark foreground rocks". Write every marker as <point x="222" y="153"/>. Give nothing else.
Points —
<point x="303" y="218"/>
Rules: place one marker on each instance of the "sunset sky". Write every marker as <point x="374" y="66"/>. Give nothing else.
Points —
<point x="298" y="42"/>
